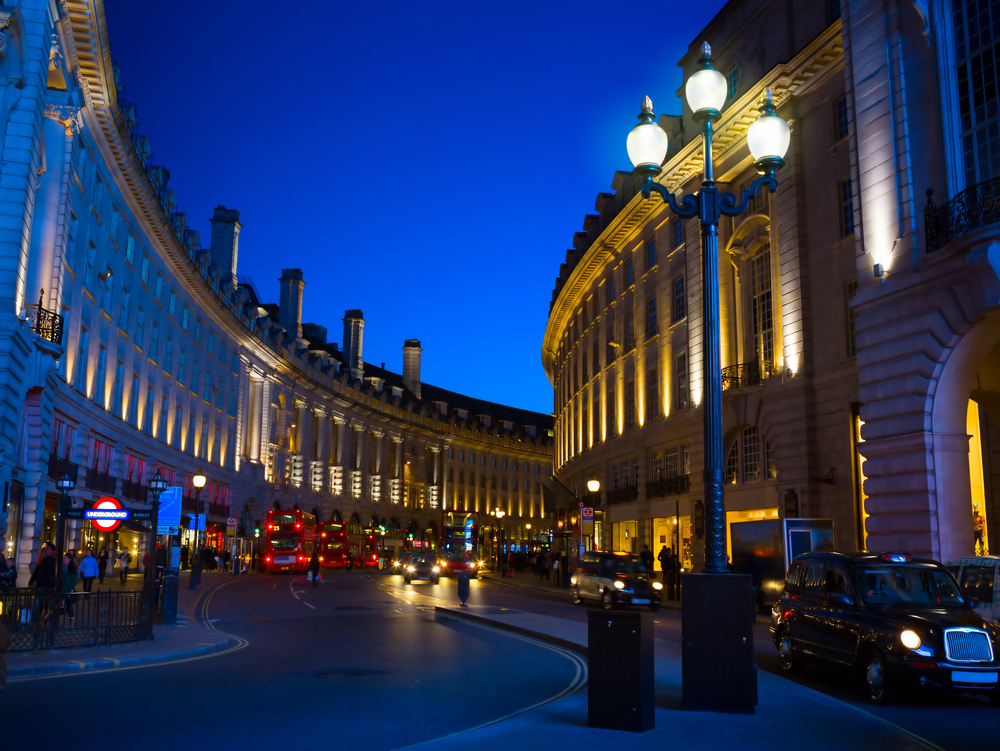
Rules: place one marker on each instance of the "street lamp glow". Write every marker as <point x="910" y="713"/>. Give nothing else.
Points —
<point x="593" y="485"/>
<point x="647" y="142"/>
<point x="198" y="480"/>
<point x="157" y="485"/>
<point x="706" y="89"/>
<point x="768" y="137"/>
<point x="65" y="483"/>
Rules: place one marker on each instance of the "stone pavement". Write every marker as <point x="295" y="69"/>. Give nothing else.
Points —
<point x="189" y="638"/>
<point x="788" y="715"/>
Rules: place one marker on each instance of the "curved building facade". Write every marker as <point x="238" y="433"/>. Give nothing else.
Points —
<point x="129" y="347"/>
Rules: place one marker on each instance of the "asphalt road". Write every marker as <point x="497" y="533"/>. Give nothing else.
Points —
<point x="343" y="665"/>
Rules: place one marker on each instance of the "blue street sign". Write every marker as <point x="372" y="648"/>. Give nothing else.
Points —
<point x="169" y="519"/>
<point x="199" y="522"/>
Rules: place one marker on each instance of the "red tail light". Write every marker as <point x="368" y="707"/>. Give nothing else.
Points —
<point x="267" y="559"/>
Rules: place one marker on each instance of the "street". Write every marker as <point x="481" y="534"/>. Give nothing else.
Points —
<point x="361" y="660"/>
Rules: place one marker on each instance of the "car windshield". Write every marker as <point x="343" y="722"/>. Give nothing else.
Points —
<point x="913" y="584"/>
<point x="623" y="564"/>
<point x="284" y="542"/>
<point x="421" y="559"/>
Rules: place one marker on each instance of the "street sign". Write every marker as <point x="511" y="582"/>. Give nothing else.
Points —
<point x="175" y="557"/>
<point x="74" y="513"/>
<point x="166" y="529"/>
<point x="170" y="511"/>
<point x="588" y="514"/>
<point x="106" y="514"/>
<point x="581" y="504"/>
<point x="199" y="522"/>
<point x="140" y="515"/>
<point x="231" y="522"/>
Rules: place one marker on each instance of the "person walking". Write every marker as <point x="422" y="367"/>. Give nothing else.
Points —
<point x="124" y="559"/>
<point x="184" y="557"/>
<point x="646" y="556"/>
<point x="664" y="558"/>
<point x="8" y="571"/>
<point x="314" y="569"/>
<point x="88" y="569"/>
<point x="102" y="565"/>
<point x="44" y="575"/>
<point x="69" y="582"/>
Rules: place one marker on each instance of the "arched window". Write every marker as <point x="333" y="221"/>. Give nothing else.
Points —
<point x="733" y="81"/>
<point x="760" y="305"/>
<point x="749" y="458"/>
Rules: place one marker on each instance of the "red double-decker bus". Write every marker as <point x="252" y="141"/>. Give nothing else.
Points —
<point x="340" y="542"/>
<point x="459" y="548"/>
<point x="289" y="537"/>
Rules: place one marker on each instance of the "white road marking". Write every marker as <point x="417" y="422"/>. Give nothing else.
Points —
<point x="308" y="605"/>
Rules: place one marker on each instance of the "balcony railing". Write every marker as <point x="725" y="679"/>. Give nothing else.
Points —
<point x="746" y="374"/>
<point x="134" y="491"/>
<point x="58" y="467"/>
<point x="45" y="323"/>
<point x="977" y="206"/>
<point x="100" y="482"/>
<point x="623" y="495"/>
<point x="665" y="486"/>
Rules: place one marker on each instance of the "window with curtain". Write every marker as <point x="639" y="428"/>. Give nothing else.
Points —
<point x="760" y="304"/>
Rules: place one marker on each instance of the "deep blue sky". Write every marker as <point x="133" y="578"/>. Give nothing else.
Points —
<point x="425" y="162"/>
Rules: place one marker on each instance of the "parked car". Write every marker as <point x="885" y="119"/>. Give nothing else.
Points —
<point x="978" y="576"/>
<point x="894" y="619"/>
<point x="614" y="579"/>
<point x="421" y="566"/>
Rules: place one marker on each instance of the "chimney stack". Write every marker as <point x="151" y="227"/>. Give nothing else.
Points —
<point x="354" y="325"/>
<point x="411" y="366"/>
<point x="290" y="302"/>
<point x="225" y="244"/>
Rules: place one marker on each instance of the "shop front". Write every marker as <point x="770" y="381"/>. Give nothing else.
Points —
<point x="625" y="537"/>
<point x="674" y="533"/>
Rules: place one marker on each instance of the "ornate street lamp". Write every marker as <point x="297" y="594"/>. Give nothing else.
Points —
<point x="199" y="482"/>
<point x="594" y="486"/>
<point x="65" y="485"/>
<point x="768" y="139"/>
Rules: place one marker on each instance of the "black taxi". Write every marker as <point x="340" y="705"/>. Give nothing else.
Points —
<point x="614" y="579"/>
<point x="894" y="619"/>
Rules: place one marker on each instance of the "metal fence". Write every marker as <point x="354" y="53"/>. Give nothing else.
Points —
<point x="43" y="619"/>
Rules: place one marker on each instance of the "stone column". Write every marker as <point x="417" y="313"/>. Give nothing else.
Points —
<point x="322" y="452"/>
<point x="256" y="417"/>
<point x="341" y="433"/>
<point x="379" y="445"/>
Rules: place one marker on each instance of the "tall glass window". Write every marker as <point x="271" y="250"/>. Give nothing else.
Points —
<point x="763" y="325"/>
<point x="977" y="39"/>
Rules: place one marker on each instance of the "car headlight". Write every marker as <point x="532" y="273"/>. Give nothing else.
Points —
<point x="619" y="585"/>
<point x="910" y="639"/>
<point x="472" y="565"/>
<point x="657" y="585"/>
<point x="572" y="580"/>
<point x="435" y="569"/>
<point x="410" y="568"/>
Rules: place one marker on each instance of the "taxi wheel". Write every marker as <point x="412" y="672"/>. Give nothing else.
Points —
<point x="790" y="663"/>
<point x="608" y="599"/>
<point x="435" y="580"/>
<point x="406" y="580"/>
<point x="877" y="679"/>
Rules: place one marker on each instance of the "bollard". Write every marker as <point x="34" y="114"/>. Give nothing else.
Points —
<point x="169" y="613"/>
<point x="620" y="692"/>
<point x="463" y="586"/>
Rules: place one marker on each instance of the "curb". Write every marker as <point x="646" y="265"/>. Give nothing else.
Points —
<point x="664" y="604"/>
<point x="499" y="625"/>
<point x="112" y="662"/>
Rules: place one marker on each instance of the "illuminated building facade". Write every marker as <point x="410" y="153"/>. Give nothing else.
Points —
<point x="129" y="347"/>
<point x="859" y="324"/>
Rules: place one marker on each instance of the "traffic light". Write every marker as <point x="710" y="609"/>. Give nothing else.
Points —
<point x="256" y="529"/>
<point x="381" y="530"/>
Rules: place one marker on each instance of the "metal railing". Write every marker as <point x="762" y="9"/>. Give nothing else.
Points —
<point x="623" y="495"/>
<point x="746" y="374"/>
<point x="976" y="206"/>
<point x="134" y="491"/>
<point x="58" y="467"/>
<point x="665" y="486"/>
<point x="44" y="619"/>
<point x="45" y="323"/>
<point x="100" y="482"/>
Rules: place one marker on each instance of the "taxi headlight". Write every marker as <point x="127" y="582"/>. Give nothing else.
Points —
<point x="572" y="580"/>
<point x="657" y="585"/>
<point x="619" y="585"/>
<point x="472" y="565"/>
<point x="410" y="568"/>
<point x="435" y="569"/>
<point x="910" y="639"/>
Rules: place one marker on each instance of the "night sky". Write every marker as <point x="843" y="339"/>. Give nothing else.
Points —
<point x="425" y="162"/>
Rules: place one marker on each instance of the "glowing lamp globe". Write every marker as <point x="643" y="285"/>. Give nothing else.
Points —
<point x="706" y="89"/>
<point x="647" y="142"/>
<point x="768" y="137"/>
<point x="593" y="486"/>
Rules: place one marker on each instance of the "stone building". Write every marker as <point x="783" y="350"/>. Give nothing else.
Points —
<point x="127" y="347"/>
<point x="859" y="318"/>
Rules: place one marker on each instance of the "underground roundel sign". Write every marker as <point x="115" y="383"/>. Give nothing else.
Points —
<point x="106" y="514"/>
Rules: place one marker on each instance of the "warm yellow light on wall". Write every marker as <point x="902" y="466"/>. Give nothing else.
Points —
<point x="792" y="362"/>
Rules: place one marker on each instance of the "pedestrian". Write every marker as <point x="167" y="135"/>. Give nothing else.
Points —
<point x="555" y="569"/>
<point x="44" y="575"/>
<point x="314" y="569"/>
<point x="124" y="559"/>
<point x="184" y="557"/>
<point x="145" y="563"/>
<point x="102" y="565"/>
<point x="646" y="556"/>
<point x="8" y="571"/>
<point x="69" y="583"/>
<point x="664" y="558"/>
<point x="88" y="569"/>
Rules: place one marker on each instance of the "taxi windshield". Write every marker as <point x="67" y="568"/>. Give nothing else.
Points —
<point x="623" y="564"/>
<point x="912" y="584"/>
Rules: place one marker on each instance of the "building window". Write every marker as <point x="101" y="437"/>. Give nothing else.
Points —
<point x="186" y="318"/>
<point x="629" y="404"/>
<point x="656" y="466"/>
<point x="101" y="456"/>
<point x="178" y="421"/>
<point x="677" y="226"/>
<point x="218" y="445"/>
<point x="852" y="341"/>
<point x="190" y="434"/>
<point x="680" y="300"/>
<point x="207" y="393"/>
<point x="673" y="465"/>
<point x="651" y="317"/>
<point x="63" y="439"/>
<point x="652" y="395"/>
<point x="611" y="350"/>
<point x="841" y="124"/>
<point x="88" y="275"/>
<point x="154" y="341"/>
<point x="832" y="11"/>
<point x="596" y="357"/>
<point x="172" y="304"/>
<point x="732" y="82"/>
<point x="102" y="365"/>
<point x="760" y="285"/>
<point x="140" y="323"/>
<point x="236" y="361"/>
<point x="612" y="428"/>
<point x="629" y="281"/>
<point x="158" y="289"/>
<point x="133" y="401"/>
<point x="595" y="417"/>
<point x="751" y="455"/>
<point x="161" y="428"/>
<point x="977" y="45"/>
<point x="743" y="460"/>
<point x="119" y="388"/>
<point x="629" y="342"/>
<point x="681" y="381"/>
<point x="651" y="254"/>
<point x="107" y="291"/>
<point x="609" y="286"/>
<point x="194" y="375"/>
<point x="147" y="412"/>
<point x="144" y="269"/>
<point x="123" y="318"/>
<point x="203" y="444"/>
<point x="218" y="396"/>
<point x="81" y="360"/>
<point x="583" y="367"/>
<point x="232" y="402"/>
<point x="211" y="343"/>
<point x="197" y="330"/>
<point x="168" y="356"/>
<point x="732" y="464"/>
<point x="846" y="191"/>
<point x="182" y="367"/>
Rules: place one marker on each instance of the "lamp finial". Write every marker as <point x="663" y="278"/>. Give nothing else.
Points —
<point x="706" y="49"/>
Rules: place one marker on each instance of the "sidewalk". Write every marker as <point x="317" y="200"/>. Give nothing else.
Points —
<point x="526" y="580"/>
<point x="187" y="639"/>
<point x="787" y="714"/>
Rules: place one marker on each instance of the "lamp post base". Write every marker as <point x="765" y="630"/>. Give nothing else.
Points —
<point x="169" y="612"/>
<point x="717" y="668"/>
